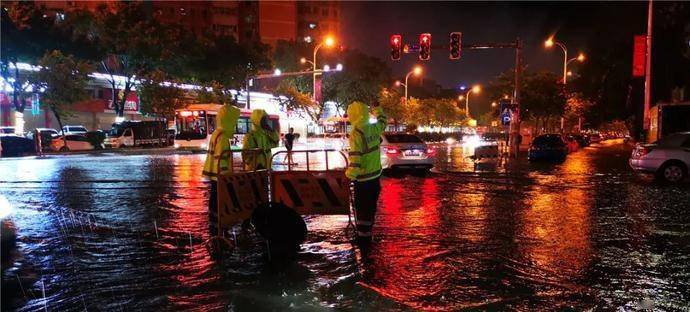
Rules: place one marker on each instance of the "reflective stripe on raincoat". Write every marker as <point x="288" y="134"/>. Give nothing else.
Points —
<point x="365" y="140"/>
<point x="226" y="122"/>
<point x="259" y="138"/>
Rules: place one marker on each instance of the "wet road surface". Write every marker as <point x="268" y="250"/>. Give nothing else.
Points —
<point x="122" y="233"/>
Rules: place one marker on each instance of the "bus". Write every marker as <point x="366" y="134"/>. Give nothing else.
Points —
<point x="195" y="124"/>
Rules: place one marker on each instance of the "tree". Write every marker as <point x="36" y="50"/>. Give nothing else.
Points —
<point x="361" y="80"/>
<point x="158" y="96"/>
<point x="64" y="82"/>
<point x="297" y="102"/>
<point x="542" y="97"/>
<point x="391" y="102"/>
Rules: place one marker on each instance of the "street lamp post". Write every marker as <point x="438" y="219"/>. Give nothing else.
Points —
<point x="328" y="42"/>
<point x="475" y="89"/>
<point x="417" y="70"/>
<point x="580" y="58"/>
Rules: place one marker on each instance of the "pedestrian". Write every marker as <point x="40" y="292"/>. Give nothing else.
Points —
<point x="38" y="141"/>
<point x="364" y="169"/>
<point x="226" y="122"/>
<point x="262" y="137"/>
<point x="288" y="140"/>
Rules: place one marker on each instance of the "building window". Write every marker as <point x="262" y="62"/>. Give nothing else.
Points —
<point x="312" y="25"/>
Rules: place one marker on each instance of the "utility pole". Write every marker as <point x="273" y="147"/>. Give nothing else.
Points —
<point x="648" y="70"/>
<point x="515" y="121"/>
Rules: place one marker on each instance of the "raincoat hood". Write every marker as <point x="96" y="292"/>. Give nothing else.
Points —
<point x="256" y="117"/>
<point x="358" y="114"/>
<point x="227" y="119"/>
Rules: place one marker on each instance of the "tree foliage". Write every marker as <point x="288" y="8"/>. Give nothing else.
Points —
<point x="64" y="82"/>
<point x="362" y="79"/>
<point x="297" y="102"/>
<point x="158" y="97"/>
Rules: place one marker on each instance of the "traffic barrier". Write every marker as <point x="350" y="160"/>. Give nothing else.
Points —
<point x="485" y="151"/>
<point x="239" y="193"/>
<point x="312" y="191"/>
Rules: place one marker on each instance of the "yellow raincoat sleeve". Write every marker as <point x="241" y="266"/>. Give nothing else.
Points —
<point x="354" y="168"/>
<point x="381" y="119"/>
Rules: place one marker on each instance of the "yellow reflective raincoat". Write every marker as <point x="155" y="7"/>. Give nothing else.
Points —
<point x="365" y="140"/>
<point x="226" y="122"/>
<point x="259" y="138"/>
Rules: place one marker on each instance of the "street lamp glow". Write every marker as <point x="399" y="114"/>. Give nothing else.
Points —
<point x="549" y="42"/>
<point x="329" y="42"/>
<point x="570" y="73"/>
<point x="326" y="68"/>
<point x="339" y="67"/>
<point x="277" y="72"/>
<point x="417" y="70"/>
<point x="461" y="97"/>
<point x="398" y="83"/>
<point x="303" y="60"/>
<point x="476" y="89"/>
<point x="493" y="104"/>
<point x="581" y="57"/>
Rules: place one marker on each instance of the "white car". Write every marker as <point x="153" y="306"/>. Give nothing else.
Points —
<point x="74" y="130"/>
<point x="667" y="158"/>
<point x="402" y="150"/>
<point x="74" y="143"/>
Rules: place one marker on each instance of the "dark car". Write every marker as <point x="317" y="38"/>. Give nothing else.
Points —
<point x="14" y="146"/>
<point x="548" y="147"/>
<point x="581" y="139"/>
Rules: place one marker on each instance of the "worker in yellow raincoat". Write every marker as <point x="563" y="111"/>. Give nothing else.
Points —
<point x="364" y="167"/>
<point x="226" y="122"/>
<point x="262" y="137"/>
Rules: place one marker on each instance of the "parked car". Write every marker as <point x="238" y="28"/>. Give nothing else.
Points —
<point x="549" y="147"/>
<point x="13" y="146"/>
<point x="47" y="136"/>
<point x="668" y="158"/>
<point x="7" y="130"/>
<point x="75" y="142"/>
<point x="571" y="143"/>
<point x="581" y="139"/>
<point x="402" y="150"/>
<point x="74" y="130"/>
<point x="595" y="137"/>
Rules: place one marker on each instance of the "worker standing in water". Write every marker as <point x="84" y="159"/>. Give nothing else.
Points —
<point x="226" y="123"/>
<point x="263" y="137"/>
<point x="364" y="167"/>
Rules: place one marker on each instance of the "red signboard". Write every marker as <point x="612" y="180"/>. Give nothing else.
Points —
<point x="131" y="104"/>
<point x="639" y="55"/>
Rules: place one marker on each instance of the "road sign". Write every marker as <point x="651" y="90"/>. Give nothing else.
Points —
<point x="639" y="55"/>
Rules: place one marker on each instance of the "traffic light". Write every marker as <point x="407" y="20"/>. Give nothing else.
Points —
<point x="424" y="46"/>
<point x="396" y="47"/>
<point x="455" y="45"/>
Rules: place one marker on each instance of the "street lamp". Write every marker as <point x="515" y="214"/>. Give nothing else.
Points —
<point x="328" y="42"/>
<point x="277" y="72"/>
<point x="475" y="89"/>
<point x="417" y="70"/>
<point x="580" y="58"/>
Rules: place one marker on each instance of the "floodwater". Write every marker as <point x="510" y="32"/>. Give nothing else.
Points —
<point x="121" y="233"/>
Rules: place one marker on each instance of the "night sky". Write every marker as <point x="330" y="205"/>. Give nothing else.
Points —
<point x="367" y="26"/>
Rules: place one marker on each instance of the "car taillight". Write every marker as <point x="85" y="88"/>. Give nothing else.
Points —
<point x="642" y="150"/>
<point x="392" y="150"/>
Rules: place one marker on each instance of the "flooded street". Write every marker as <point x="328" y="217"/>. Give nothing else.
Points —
<point x="122" y="233"/>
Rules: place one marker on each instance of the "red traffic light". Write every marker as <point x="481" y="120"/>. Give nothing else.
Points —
<point x="455" y="45"/>
<point x="424" y="46"/>
<point x="396" y="47"/>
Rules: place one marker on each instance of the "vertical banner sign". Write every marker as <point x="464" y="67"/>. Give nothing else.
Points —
<point x="317" y="89"/>
<point x="35" y="104"/>
<point x="639" y="55"/>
